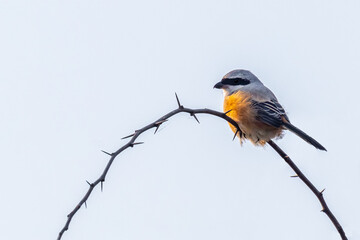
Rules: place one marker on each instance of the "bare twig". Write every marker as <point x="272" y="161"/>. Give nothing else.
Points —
<point x="192" y="112"/>
<point x="132" y="143"/>
<point x="318" y="194"/>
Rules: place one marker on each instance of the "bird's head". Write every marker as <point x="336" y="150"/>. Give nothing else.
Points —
<point x="235" y="80"/>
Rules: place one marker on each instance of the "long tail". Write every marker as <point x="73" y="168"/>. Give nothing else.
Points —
<point x="303" y="135"/>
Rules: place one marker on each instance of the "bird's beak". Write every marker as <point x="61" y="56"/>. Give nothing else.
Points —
<point x="219" y="85"/>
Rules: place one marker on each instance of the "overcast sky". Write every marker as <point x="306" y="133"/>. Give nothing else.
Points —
<point x="77" y="75"/>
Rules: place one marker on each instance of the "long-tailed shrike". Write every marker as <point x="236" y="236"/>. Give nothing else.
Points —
<point x="256" y="110"/>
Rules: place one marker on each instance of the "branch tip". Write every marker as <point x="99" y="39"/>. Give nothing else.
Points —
<point x="294" y="176"/>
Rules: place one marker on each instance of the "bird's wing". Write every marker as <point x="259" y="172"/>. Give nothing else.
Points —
<point x="270" y="112"/>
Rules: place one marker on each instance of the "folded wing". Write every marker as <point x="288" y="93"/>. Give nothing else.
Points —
<point x="273" y="114"/>
<point x="270" y="112"/>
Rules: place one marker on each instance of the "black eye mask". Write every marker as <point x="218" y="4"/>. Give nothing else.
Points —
<point x="235" y="81"/>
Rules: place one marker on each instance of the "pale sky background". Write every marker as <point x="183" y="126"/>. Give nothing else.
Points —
<point x="76" y="76"/>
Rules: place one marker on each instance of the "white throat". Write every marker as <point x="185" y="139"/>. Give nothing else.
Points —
<point x="229" y="89"/>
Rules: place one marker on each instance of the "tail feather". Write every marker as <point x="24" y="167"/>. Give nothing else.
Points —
<point x="303" y="135"/>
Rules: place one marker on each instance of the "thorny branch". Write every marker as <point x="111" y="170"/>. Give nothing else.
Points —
<point x="132" y="143"/>
<point x="317" y="193"/>
<point x="156" y="124"/>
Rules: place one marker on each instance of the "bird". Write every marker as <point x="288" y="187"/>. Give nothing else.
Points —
<point x="256" y="110"/>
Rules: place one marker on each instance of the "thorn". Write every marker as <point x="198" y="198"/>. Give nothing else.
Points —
<point x="88" y="182"/>
<point x="322" y="191"/>
<point x="106" y="153"/>
<point x="237" y="130"/>
<point x="158" y="123"/>
<point x="157" y="127"/>
<point x="196" y="119"/>
<point x="178" y="101"/>
<point x="101" y="185"/>
<point x="137" y="143"/>
<point x="227" y="112"/>
<point x="193" y="114"/>
<point x="128" y="136"/>
<point x="85" y="204"/>
<point x="294" y="176"/>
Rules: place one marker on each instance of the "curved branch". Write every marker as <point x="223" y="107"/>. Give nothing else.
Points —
<point x="156" y="124"/>
<point x="317" y="193"/>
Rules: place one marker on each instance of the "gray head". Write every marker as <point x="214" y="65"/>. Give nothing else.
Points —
<point x="237" y="79"/>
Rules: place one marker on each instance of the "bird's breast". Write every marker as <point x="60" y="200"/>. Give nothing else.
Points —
<point x="239" y="105"/>
<point x="242" y="111"/>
